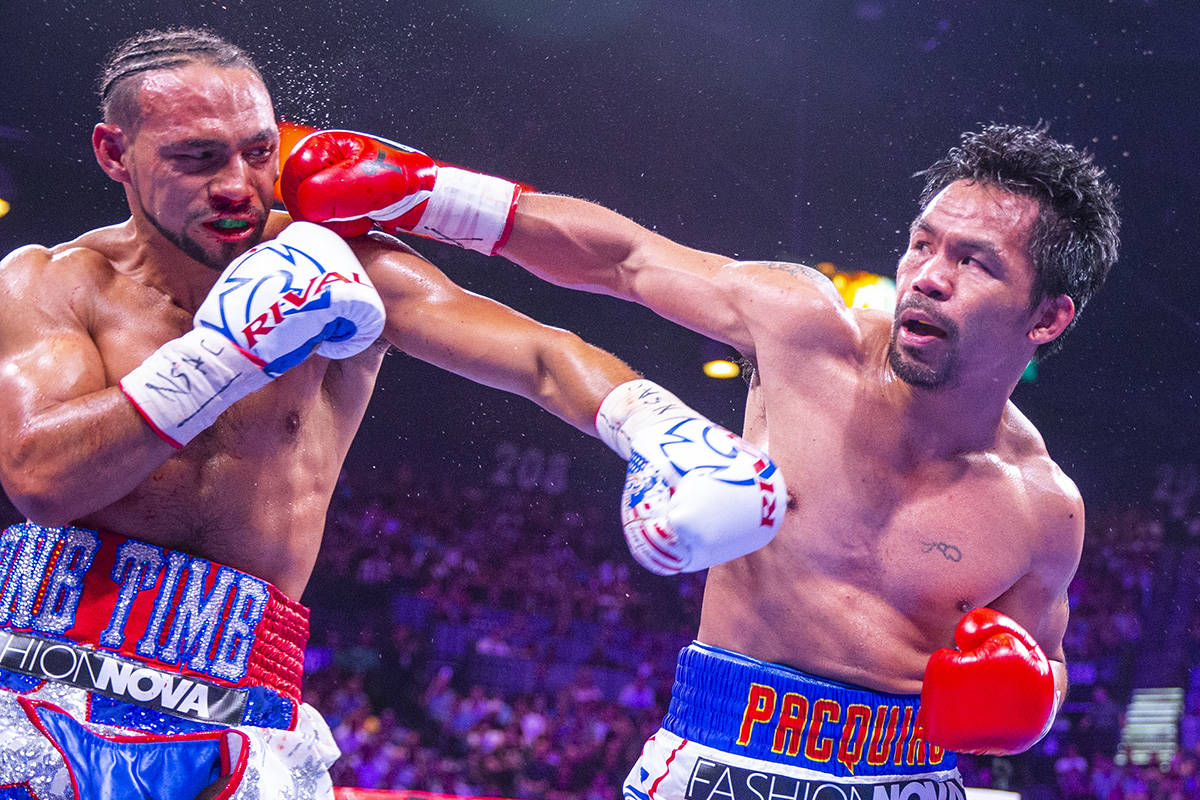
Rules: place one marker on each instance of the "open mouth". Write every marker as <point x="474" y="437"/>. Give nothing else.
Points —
<point x="919" y="327"/>
<point x="228" y="225"/>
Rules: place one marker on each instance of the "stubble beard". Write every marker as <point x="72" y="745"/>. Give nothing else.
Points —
<point x="192" y="249"/>
<point x="921" y="375"/>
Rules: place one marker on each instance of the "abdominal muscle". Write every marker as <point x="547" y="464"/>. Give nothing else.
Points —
<point x="813" y="623"/>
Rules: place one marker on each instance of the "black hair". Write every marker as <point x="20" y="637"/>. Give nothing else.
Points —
<point x="1075" y="238"/>
<point x="155" y="50"/>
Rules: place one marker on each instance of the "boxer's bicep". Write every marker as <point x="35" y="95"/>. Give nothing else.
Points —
<point x="575" y="243"/>
<point x="59" y="420"/>
<point x="1039" y="601"/>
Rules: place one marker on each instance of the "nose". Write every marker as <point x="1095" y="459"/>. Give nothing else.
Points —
<point x="935" y="278"/>
<point x="232" y="187"/>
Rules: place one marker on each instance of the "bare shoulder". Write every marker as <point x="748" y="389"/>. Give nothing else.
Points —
<point x="59" y="280"/>
<point x="1054" y="499"/>
<point x="797" y="303"/>
<point x="406" y="280"/>
<point x="378" y="246"/>
<point x="376" y="250"/>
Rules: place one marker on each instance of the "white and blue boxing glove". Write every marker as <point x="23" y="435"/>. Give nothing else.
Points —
<point x="695" y="494"/>
<point x="301" y="292"/>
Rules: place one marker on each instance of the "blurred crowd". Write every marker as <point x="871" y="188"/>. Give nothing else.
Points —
<point x="484" y="641"/>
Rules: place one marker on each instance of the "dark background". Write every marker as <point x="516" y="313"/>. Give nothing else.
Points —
<point x="760" y="130"/>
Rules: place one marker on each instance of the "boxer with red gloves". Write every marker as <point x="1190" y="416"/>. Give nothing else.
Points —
<point x="922" y="492"/>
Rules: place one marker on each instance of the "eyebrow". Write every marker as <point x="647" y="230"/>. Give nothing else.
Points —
<point x="981" y="245"/>
<point x="262" y="136"/>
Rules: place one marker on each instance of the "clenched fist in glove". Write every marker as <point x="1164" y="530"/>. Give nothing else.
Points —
<point x="994" y="694"/>
<point x="351" y="182"/>
<point x="271" y="308"/>
<point x="695" y="494"/>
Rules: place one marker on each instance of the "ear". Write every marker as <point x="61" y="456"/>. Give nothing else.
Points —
<point x="1052" y="317"/>
<point x="110" y="144"/>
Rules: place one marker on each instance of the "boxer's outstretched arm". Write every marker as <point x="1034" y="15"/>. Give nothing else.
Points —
<point x="575" y="243"/>
<point x="579" y="244"/>
<point x="69" y="442"/>
<point x="351" y="181"/>
<point x="437" y="321"/>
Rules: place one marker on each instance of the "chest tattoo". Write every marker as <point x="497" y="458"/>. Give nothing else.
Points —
<point x="948" y="551"/>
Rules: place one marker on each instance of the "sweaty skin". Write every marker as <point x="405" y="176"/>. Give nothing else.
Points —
<point x="913" y="500"/>
<point x="252" y="490"/>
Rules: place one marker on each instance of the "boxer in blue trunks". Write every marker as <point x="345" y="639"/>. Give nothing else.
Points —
<point x="178" y="392"/>
<point x="914" y="602"/>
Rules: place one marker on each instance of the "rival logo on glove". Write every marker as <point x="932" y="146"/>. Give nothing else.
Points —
<point x="313" y="297"/>
<point x="316" y="287"/>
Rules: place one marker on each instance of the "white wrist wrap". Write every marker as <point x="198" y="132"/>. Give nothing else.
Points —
<point x="185" y="385"/>
<point x="630" y="407"/>
<point x="468" y="209"/>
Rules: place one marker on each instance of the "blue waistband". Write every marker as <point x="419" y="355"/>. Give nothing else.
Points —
<point x="748" y="707"/>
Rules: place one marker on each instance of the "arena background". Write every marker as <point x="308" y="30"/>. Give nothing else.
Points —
<point x="777" y="130"/>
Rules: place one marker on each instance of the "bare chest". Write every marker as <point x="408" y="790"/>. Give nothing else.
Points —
<point x="931" y="547"/>
<point x="928" y="537"/>
<point x="262" y="472"/>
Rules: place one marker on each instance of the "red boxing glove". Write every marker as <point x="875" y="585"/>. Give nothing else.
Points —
<point x="351" y="182"/>
<point x="994" y="695"/>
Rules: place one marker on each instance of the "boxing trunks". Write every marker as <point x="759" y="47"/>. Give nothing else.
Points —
<point x="742" y="729"/>
<point x="129" y="670"/>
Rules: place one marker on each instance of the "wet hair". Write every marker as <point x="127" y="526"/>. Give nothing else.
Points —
<point x="154" y="50"/>
<point x="1075" y="237"/>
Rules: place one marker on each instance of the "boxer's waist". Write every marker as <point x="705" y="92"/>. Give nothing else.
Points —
<point x="753" y="708"/>
<point x="124" y="603"/>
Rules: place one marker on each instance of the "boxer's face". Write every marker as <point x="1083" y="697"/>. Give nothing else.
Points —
<point x="202" y="162"/>
<point x="963" y="287"/>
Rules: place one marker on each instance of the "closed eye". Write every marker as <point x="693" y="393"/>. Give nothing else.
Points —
<point x="260" y="154"/>
<point x="196" y="160"/>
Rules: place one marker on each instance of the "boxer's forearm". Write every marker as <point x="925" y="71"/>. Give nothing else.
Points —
<point x="431" y="318"/>
<point x="576" y="377"/>
<point x="80" y="456"/>
<point x="559" y="371"/>
<point x="575" y="243"/>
